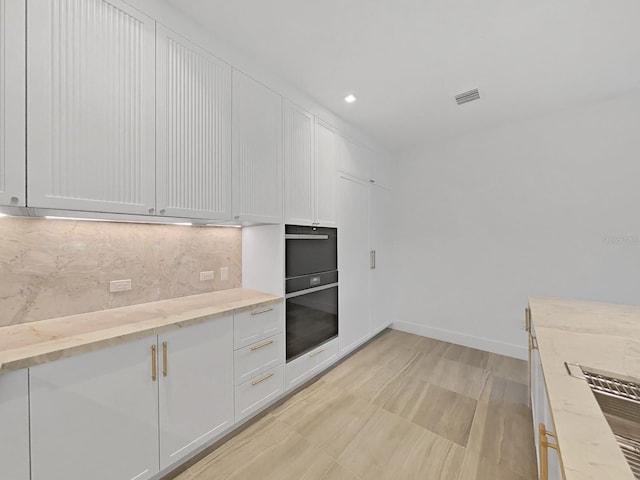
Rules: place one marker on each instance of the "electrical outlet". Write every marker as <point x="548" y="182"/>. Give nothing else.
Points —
<point x="224" y="273"/>
<point x="120" y="285"/>
<point x="208" y="275"/>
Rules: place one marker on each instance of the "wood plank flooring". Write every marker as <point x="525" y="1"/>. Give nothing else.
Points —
<point x="403" y="407"/>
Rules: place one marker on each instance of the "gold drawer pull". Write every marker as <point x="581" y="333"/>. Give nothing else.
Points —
<point x="533" y="342"/>
<point x="266" y="377"/>
<point x="316" y="353"/>
<point x="262" y="311"/>
<point x="164" y="359"/>
<point x="258" y="347"/>
<point x="154" y="363"/>
<point x="527" y="319"/>
<point x="544" y="454"/>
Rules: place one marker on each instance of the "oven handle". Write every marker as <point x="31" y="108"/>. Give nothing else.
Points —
<point x="296" y="236"/>
<point x="311" y="290"/>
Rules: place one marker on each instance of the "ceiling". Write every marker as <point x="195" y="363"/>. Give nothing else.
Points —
<point x="406" y="59"/>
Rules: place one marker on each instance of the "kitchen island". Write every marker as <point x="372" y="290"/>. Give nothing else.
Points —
<point x="593" y="335"/>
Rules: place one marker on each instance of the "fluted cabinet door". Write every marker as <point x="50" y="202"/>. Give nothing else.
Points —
<point x="193" y="130"/>
<point x="12" y="102"/>
<point x="299" y="174"/>
<point x="326" y="175"/>
<point x="91" y="108"/>
<point x="257" y="144"/>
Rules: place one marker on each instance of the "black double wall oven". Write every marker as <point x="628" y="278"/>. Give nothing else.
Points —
<point x="311" y="287"/>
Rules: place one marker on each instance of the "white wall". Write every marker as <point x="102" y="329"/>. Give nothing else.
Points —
<point x="550" y="206"/>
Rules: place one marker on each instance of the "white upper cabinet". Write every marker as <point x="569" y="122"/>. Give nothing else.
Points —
<point x="326" y="175"/>
<point x="299" y="172"/>
<point x="257" y="163"/>
<point x="12" y="102"/>
<point x="91" y="106"/>
<point x="196" y="387"/>
<point x="354" y="159"/>
<point x="310" y="173"/>
<point x="14" y="421"/>
<point x="95" y="416"/>
<point x="193" y="130"/>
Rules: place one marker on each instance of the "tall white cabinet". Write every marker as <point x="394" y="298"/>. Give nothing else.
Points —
<point x="14" y="425"/>
<point x="91" y="106"/>
<point x="257" y="151"/>
<point x="193" y="130"/>
<point x="353" y="263"/>
<point x="96" y="415"/>
<point x="195" y="387"/>
<point x="12" y="102"/>
<point x="381" y="261"/>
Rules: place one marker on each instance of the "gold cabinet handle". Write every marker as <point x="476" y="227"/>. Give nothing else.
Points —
<point x="527" y="319"/>
<point x="262" y="311"/>
<point x="316" y="353"/>
<point x="260" y="380"/>
<point x="545" y="444"/>
<point x="164" y="359"/>
<point x="258" y="347"/>
<point x="154" y="363"/>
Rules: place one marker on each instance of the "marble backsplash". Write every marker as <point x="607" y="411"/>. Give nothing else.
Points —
<point x="53" y="268"/>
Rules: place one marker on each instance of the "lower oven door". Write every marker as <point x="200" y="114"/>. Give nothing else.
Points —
<point x="312" y="319"/>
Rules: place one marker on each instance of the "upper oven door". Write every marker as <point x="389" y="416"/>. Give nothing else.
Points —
<point x="310" y="250"/>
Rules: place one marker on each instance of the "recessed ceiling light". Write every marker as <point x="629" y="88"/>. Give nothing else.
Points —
<point x="350" y="98"/>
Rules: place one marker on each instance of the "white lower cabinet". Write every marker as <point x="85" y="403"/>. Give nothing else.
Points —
<point x="542" y="419"/>
<point x="255" y="359"/>
<point x="258" y="392"/>
<point x="259" y="358"/>
<point x="96" y="415"/>
<point x="195" y="387"/>
<point x="14" y="425"/>
<point x="307" y="365"/>
<point x="258" y="323"/>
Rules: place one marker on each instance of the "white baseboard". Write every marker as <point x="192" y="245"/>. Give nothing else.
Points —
<point x="481" y="343"/>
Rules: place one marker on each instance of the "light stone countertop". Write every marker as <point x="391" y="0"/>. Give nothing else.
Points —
<point x="597" y="335"/>
<point x="39" y="342"/>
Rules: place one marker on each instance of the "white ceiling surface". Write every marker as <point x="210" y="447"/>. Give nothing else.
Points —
<point x="407" y="59"/>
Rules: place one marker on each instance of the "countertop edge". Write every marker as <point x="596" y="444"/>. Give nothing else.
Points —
<point x="69" y="345"/>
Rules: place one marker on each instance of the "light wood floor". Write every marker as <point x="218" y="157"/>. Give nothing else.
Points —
<point x="403" y="407"/>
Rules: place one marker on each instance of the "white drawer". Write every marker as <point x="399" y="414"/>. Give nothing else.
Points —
<point x="254" y="325"/>
<point x="310" y="363"/>
<point x="258" y="357"/>
<point x="251" y="396"/>
<point x="326" y="354"/>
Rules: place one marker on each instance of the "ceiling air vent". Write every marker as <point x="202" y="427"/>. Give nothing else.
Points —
<point x="467" y="97"/>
